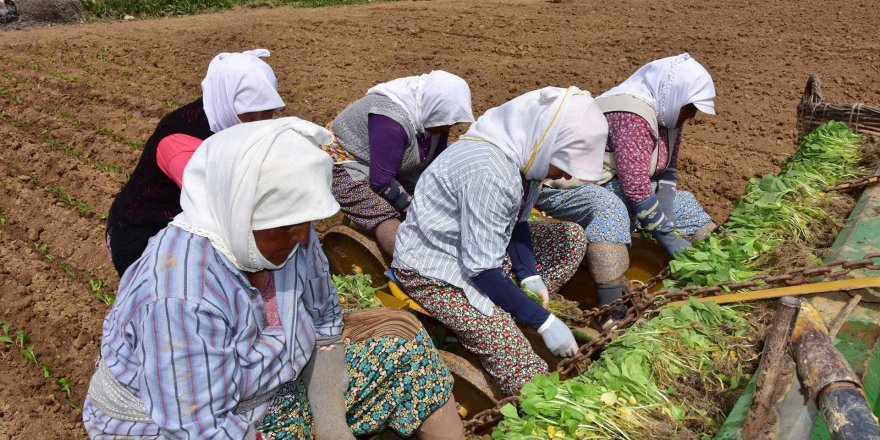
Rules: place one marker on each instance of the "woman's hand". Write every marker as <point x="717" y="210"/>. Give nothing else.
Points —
<point x="558" y="337"/>
<point x="536" y="284"/>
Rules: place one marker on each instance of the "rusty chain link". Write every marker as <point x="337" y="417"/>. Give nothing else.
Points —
<point x="641" y="303"/>
<point x="854" y="184"/>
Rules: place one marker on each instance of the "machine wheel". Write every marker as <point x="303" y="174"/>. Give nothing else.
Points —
<point x="472" y="391"/>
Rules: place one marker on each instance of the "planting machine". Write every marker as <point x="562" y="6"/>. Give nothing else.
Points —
<point x="799" y="414"/>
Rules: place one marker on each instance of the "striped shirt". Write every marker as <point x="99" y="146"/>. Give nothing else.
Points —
<point x="460" y="222"/>
<point x="188" y="335"/>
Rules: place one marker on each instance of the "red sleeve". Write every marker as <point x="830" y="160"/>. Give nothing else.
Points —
<point x="174" y="152"/>
<point x="632" y="140"/>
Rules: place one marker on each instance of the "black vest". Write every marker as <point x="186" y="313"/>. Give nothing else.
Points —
<point x="150" y="199"/>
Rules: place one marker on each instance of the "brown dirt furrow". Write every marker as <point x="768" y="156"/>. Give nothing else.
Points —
<point x="66" y="98"/>
<point x="65" y="338"/>
<point x="29" y="156"/>
<point x="100" y="88"/>
<point x="55" y="131"/>
<point x="69" y="234"/>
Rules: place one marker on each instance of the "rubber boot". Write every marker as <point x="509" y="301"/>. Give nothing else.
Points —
<point x="608" y="263"/>
<point x="386" y="233"/>
<point x="704" y="232"/>
<point x="443" y="424"/>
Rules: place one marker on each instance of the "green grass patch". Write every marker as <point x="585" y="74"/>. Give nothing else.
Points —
<point x="164" y="8"/>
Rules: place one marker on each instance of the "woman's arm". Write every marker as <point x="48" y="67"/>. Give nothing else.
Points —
<point x="633" y="142"/>
<point x="488" y="206"/>
<point x="191" y="378"/>
<point x="388" y="142"/>
<point x="320" y="297"/>
<point x="174" y="152"/>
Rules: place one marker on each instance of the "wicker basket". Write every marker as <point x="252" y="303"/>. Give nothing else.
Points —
<point x="812" y="112"/>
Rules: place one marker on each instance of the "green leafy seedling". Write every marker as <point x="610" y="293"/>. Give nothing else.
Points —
<point x="105" y="298"/>
<point x="66" y="269"/>
<point x="21" y="338"/>
<point x="29" y="354"/>
<point x="47" y="370"/>
<point x="64" y="384"/>
<point x="96" y="285"/>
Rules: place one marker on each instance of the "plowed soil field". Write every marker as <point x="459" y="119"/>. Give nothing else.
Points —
<point x="77" y="102"/>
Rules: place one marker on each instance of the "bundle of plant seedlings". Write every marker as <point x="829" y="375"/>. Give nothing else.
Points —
<point x="663" y="378"/>
<point x="789" y="208"/>
<point x="356" y="291"/>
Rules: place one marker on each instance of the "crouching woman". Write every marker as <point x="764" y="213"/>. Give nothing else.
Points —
<point x="229" y="327"/>
<point x="467" y="234"/>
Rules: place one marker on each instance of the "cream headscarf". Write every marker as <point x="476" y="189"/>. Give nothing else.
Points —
<point x="668" y="84"/>
<point x="562" y="127"/>
<point x="238" y="83"/>
<point x="430" y="100"/>
<point x="255" y="176"/>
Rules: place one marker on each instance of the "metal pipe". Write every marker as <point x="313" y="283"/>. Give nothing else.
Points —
<point x="847" y="413"/>
<point x="830" y="381"/>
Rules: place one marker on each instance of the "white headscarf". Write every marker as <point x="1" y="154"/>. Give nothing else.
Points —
<point x="562" y="127"/>
<point x="238" y="83"/>
<point x="255" y="176"/>
<point x="430" y="100"/>
<point x="668" y="84"/>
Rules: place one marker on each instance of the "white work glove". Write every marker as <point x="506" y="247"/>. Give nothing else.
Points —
<point x="557" y="337"/>
<point x="536" y="284"/>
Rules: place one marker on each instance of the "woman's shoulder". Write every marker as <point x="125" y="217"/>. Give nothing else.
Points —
<point x="628" y="124"/>
<point x="178" y="264"/>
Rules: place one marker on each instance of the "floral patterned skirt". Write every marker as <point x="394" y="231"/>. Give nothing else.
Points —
<point x="359" y="202"/>
<point x="395" y="383"/>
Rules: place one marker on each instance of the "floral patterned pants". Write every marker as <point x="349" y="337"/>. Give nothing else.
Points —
<point x="502" y="348"/>
<point x="605" y="217"/>
<point x="395" y="383"/>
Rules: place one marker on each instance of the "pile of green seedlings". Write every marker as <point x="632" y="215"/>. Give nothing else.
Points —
<point x="789" y="209"/>
<point x="356" y="291"/>
<point x="663" y="378"/>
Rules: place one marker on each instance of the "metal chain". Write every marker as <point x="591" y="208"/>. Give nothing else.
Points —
<point x="641" y="303"/>
<point x="854" y="184"/>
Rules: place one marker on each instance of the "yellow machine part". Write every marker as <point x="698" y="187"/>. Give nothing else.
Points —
<point x="802" y="289"/>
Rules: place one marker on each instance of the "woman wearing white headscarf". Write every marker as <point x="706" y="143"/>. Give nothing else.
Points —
<point x="466" y="233"/>
<point x="645" y="114"/>
<point x="228" y="326"/>
<point x="239" y="87"/>
<point x="385" y="139"/>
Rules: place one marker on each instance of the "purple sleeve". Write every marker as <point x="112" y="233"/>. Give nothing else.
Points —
<point x="388" y="141"/>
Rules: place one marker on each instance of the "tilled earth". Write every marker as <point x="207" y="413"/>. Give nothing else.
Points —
<point x="77" y="102"/>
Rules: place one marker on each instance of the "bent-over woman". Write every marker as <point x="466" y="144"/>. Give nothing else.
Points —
<point x="466" y="233"/>
<point x="645" y="114"/>
<point x="229" y="326"/>
<point x="385" y="139"/>
<point x="239" y="87"/>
